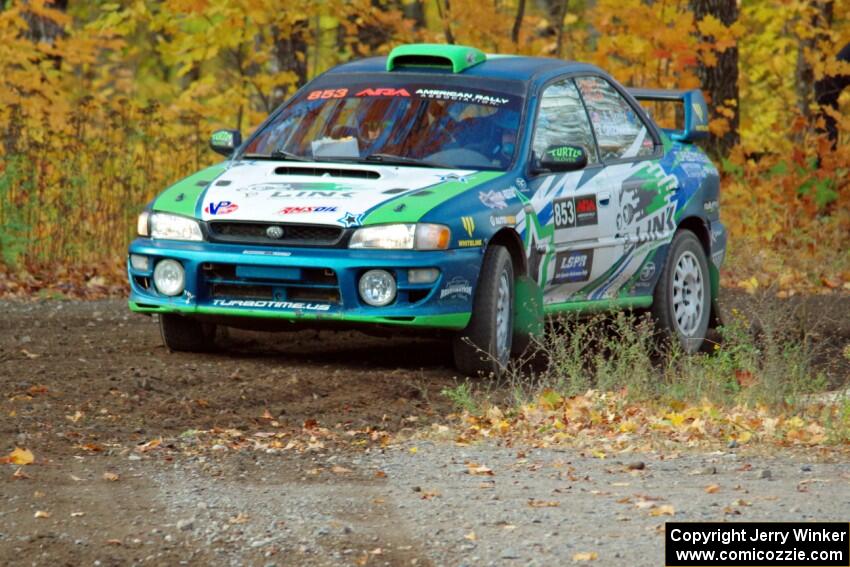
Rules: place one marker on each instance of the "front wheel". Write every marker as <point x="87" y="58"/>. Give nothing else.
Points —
<point x="484" y="347"/>
<point x="682" y="299"/>
<point x="181" y="333"/>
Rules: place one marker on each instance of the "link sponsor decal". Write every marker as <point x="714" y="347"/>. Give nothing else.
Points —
<point x="327" y="93"/>
<point x="295" y="305"/>
<point x="462" y="96"/>
<point x="221" y="208"/>
<point x="756" y="544"/>
<point x="306" y="209"/>
<point x="305" y="190"/>
<point x="457" y="288"/>
<point x="468" y="225"/>
<point x="573" y="212"/>
<point x="573" y="266"/>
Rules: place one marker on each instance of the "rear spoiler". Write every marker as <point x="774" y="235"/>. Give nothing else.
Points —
<point x="695" y="117"/>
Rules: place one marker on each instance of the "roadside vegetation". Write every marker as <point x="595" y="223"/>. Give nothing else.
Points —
<point x="610" y="384"/>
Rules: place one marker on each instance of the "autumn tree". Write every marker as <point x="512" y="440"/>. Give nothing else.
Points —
<point x="718" y="69"/>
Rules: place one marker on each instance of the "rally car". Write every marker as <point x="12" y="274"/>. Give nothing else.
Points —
<point x="442" y="188"/>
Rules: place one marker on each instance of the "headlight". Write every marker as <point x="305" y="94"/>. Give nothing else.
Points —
<point x="402" y="237"/>
<point x="173" y="227"/>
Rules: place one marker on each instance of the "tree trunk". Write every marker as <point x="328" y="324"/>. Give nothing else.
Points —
<point x="443" y="13"/>
<point x="520" y="14"/>
<point x="821" y="20"/>
<point x="721" y="80"/>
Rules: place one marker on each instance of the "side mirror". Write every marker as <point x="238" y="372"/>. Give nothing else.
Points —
<point x="225" y="141"/>
<point x="562" y="158"/>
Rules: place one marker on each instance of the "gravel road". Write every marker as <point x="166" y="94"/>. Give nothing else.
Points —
<point x="88" y="388"/>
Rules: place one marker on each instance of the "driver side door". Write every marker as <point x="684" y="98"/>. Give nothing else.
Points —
<point x="572" y="207"/>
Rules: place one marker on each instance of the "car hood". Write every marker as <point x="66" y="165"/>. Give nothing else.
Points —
<point x="321" y="193"/>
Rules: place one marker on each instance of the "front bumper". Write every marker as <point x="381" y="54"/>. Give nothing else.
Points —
<point x="306" y="284"/>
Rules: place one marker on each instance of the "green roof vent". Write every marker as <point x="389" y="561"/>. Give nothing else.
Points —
<point x="454" y="58"/>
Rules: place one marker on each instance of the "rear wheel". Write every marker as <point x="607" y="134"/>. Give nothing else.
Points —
<point x="484" y="347"/>
<point x="184" y="334"/>
<point x="682" y="300"/>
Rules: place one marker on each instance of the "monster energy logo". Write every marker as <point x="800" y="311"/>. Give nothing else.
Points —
<point x="468" y="225"/>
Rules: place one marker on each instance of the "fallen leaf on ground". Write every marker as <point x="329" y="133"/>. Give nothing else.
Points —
<point x="110" y="476"/>
<point x="239" y="518"/>
<point x="475" y="468"/>
<point x="665" y="510"/>
<point x="20" y="475"/>
<point x="585" y="556"/>
<point x="712" y="488"/>
<point x="471" y="536"/>
<point x="543" y="503"/>
<point x="336" y="469"/>
<point x="19" y="457"/>
<point x="77" y="514"/>
<point x="42" y="514"/>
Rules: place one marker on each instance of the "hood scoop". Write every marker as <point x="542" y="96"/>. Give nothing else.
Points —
<point x="327" y="172"/>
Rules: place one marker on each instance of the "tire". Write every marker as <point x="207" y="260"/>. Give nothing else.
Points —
<point x="484" y="347"/>
<point x="184" y="334"/>
<point x="681" y="304"/>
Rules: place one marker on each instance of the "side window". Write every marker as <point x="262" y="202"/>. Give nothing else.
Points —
<point x="620" y="132"/>
<point x="562" y="120"/>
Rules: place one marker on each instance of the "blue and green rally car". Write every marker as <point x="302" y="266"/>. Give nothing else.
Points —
<point x="442" y="188"/>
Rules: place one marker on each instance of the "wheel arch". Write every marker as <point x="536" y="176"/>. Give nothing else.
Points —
<point x="699" y="227"/>
<point x="509" y="238"/>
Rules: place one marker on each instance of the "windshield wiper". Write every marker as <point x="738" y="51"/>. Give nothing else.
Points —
<point x="288" y="156"/>
<point x="402" y="160"/>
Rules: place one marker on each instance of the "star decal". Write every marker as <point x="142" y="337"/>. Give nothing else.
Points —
<point x="350" y="219"/>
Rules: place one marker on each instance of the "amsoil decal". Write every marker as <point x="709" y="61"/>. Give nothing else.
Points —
<point x="221" y="208"/>
<point x="573" y="266"/>
<point x="575" y="211"/>
<point x="383" y="92"/>
<point x="304" y="210"/>
<point x="296" y="305"/>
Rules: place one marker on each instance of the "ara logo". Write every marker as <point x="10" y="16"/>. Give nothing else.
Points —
<point x="307" y="209"/>
<point x="468" y="225"/>
<point x="221" y="208"/>
<point x="383" y="92"/>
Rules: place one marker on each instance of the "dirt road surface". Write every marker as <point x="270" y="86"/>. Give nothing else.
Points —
<point x="283" y="450"/>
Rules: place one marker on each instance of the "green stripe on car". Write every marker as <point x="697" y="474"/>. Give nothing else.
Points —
<point x="413" y="206"/>
<point x="182" y="197"/>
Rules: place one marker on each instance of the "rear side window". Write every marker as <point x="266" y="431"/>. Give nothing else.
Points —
<point x="620" y="132"/>
<point x="562" y="120"/>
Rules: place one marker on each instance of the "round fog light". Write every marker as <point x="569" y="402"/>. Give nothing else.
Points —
<point x="377" y="288"/>
<point x="169" y="277"/>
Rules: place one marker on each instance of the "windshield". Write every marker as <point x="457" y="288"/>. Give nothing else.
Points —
<point x="404" y="123"/>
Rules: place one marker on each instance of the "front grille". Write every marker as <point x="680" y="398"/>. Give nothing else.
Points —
<point x="277" y="283"/>
<point x="293" y="234"/>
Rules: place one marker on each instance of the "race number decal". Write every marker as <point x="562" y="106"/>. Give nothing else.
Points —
<point x="575" y="211"/>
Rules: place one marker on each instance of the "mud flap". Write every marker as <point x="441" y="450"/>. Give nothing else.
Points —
<point x="528" y="313"/>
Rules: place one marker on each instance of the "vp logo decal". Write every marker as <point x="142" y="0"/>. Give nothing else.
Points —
<point x="221" y="208"/>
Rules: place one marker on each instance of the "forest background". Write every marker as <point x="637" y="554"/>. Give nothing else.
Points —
<point x="103" y="104"/>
